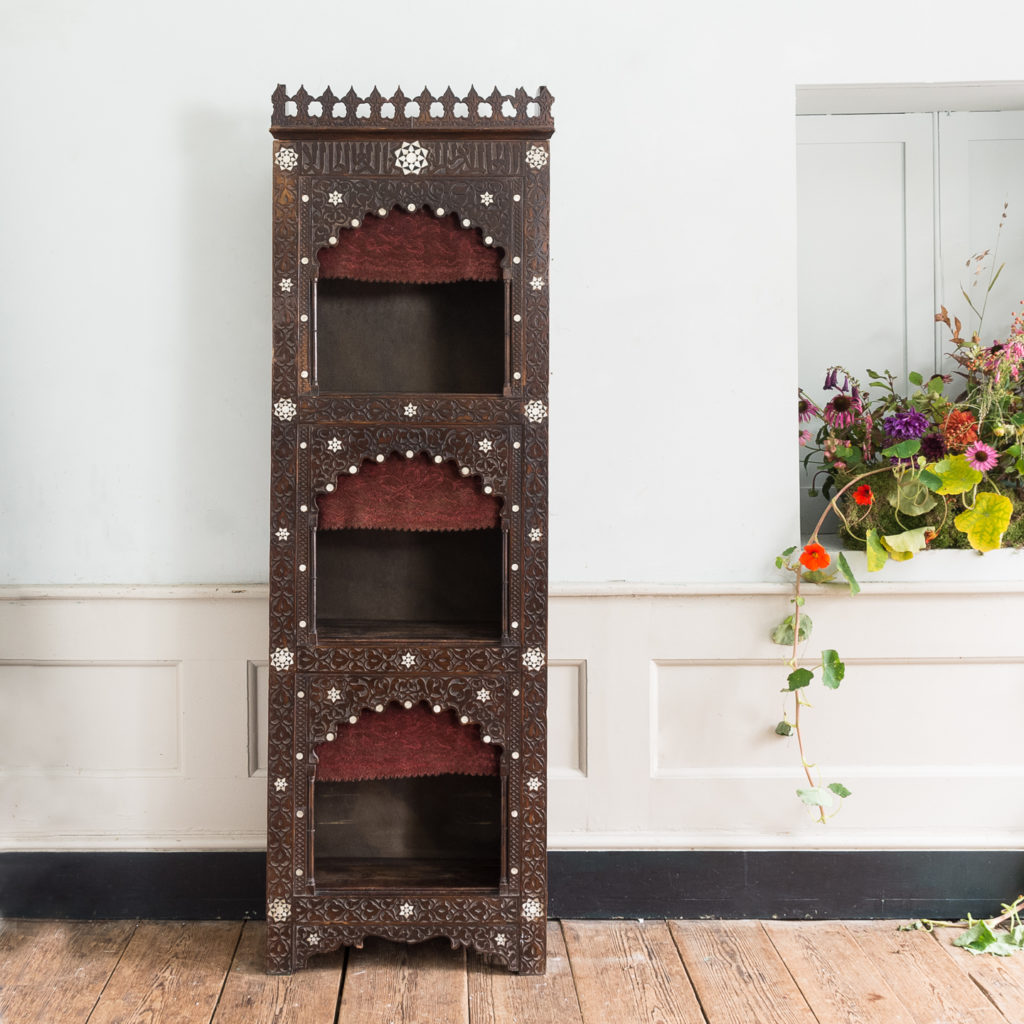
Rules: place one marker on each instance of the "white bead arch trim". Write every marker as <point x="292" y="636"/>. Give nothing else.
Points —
<point x="412" y="204"/>
<point x="327" y="732"/>
<point x="334" y="446"/>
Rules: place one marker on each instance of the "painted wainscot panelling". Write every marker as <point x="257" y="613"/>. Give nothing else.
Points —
<point x="136" y="718"/>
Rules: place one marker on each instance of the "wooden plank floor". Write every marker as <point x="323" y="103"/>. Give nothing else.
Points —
<point x="599" y="972"/>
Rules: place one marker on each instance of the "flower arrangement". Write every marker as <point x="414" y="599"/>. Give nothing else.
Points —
<point x="941" y="467"/>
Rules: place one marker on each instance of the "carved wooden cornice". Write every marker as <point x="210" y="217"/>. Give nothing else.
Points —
<point x="515" y="114"/>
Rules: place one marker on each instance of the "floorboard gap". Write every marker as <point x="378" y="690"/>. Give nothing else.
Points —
<point x="111" y="974"/>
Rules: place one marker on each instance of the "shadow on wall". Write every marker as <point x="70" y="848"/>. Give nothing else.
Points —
<point x="221" y="314"/>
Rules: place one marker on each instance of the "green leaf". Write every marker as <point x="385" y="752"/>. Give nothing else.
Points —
<point x="929" y="479"/>
<point x="912" y="497"/>
<point x="844" y="568"/>
<point x="799" y="678"/>
<point x="904" y="449"/>
<point x="839" y="789"/>
<point x="992" y="283"/>
<point x="978" y="938"/>
<point x="902" y="546"/>
<point x="788" y="551"/>
<point x="782" y="634"/>
<point x="832" y="669"/>
<point x="986" y="523"/>
<point x="957" y="474"/>
<point x="1019" y="466"/>
<point x="1017" y="419"/>
<point x="818" y="796"/>
<point x="915" y="378"/>
<point x="877" y="555"/>
<point x="819" y="576"/>
<point x="935" y="385"/>
<point x="784" y="728"/>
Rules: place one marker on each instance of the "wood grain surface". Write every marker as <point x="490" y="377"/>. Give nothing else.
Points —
<point x="598" y="972"/>
<point x="926" y="980"/>
<point x="738" y="975"/>
<point x="497" y="997"/>
<point x="388" y="983"/>
<point x="840" y="983"/>
<point x="251" y="996"/>
<point x="629" y="971"/>
<point x="56" y="970"/>
<point x="171" y="972"/>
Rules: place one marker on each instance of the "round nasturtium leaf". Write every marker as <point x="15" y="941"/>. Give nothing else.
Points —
<point x="986" y="523"/>
<point x="957" y="474"/>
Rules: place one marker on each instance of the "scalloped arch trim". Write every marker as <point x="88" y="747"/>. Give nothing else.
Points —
<point x="408" y="494"/>
<point x="416" y="247"/>
<point x="397" y="743"/>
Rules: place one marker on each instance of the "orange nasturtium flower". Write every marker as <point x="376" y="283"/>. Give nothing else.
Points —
<point x="814" y="557"/>
<point x="863" y="496"/>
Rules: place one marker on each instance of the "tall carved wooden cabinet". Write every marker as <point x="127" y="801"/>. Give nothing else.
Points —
<point x="408" y="567"/>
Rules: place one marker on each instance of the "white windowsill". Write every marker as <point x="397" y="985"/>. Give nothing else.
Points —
<point x="1002" y="569"/>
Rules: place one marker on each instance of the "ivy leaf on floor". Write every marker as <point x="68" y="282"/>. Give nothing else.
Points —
<point x="980" y="938"/>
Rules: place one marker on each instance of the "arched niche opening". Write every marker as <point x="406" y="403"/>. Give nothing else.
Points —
<point x="409" y="548"/>
<point x="408" y="798"/>
<point x="410" y="303"/>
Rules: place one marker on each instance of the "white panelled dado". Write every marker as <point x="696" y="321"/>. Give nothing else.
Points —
<point x="134" y="718"/>
<point x="75" y="721"/>
<point x="131" y="708"/>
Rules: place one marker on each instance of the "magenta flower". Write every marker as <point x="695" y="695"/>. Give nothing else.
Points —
<point x="805" y="436"/>
<point x="981" y="456"/>
<point x="842" y="410"/>
<point x="806" y="409"/>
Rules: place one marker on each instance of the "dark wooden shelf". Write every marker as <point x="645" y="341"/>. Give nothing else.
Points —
<point x="403" y="873"/>
<point x="382" y="629"/>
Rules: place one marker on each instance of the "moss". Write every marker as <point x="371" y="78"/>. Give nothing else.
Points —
<point x="882" y="517"/>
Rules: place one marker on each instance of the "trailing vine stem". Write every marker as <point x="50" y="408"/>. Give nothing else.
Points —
<point x="797" y="602"/>
<point x="833" y="505"/>
<point x="831" y="667"/>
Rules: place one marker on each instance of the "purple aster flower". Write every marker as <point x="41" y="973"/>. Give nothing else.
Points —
<point x="903" y="426"/>
<point x="806" y="409"/>
<point x="933" y="447"/>
<point x="842" y="410"/>
<point x="981" y="456"/>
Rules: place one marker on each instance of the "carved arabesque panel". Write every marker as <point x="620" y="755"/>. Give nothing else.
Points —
<point x="333" y="167"/>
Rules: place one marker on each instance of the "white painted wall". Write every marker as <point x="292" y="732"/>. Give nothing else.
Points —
<point x="134" y="364"/>
<point x="135" y="255"/>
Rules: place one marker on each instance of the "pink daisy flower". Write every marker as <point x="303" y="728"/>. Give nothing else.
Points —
<point x="842" y="410"/>
<point x="806" y="409"/>
<point x="805" y="436"/>
<point x="981" y="456"/>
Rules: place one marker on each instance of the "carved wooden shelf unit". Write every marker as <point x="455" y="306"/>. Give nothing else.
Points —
<point x="408" y="565"/>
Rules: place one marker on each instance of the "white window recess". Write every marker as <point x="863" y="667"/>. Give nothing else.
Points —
<point x="890" y="208"/>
